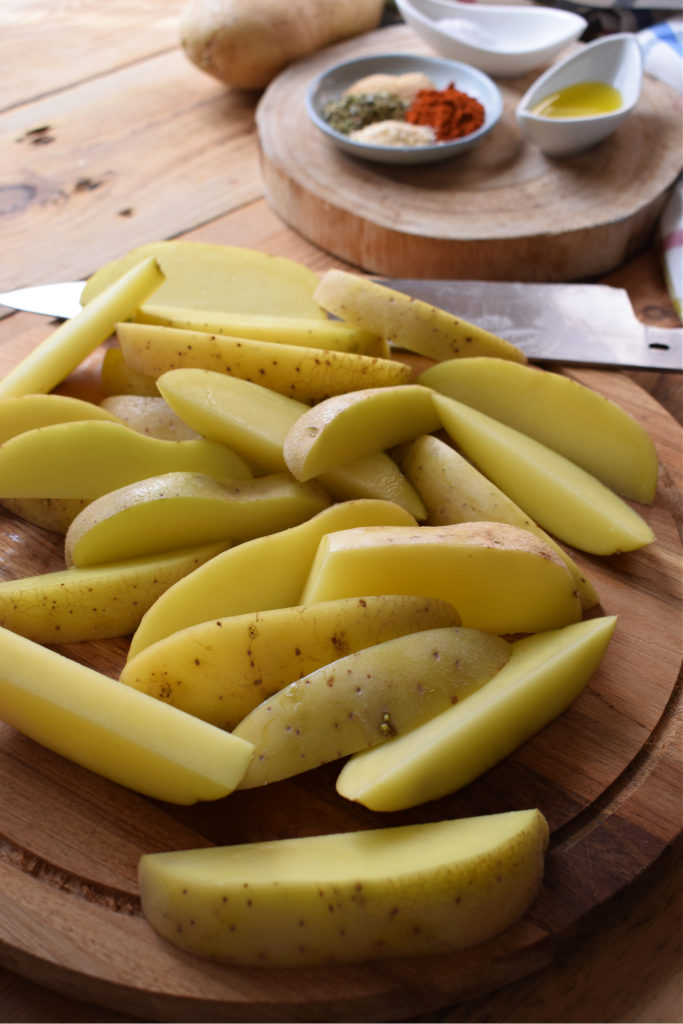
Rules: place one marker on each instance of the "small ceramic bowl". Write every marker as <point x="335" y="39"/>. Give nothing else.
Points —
<point x="501" y="40"/>
<point x="332" y="83"/>
<point x="615" y="60"/>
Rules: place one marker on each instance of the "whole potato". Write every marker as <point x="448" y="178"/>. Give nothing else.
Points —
<point x="245" y="43"/>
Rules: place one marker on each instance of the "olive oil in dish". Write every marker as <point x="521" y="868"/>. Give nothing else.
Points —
<point x="581" y="99"/>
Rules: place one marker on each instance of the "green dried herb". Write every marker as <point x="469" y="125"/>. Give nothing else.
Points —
<point x="352" y="112"/>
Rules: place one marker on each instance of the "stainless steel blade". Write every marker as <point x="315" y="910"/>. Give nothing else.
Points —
<point x="573" y="324"/>
<point x="58" y="300"/>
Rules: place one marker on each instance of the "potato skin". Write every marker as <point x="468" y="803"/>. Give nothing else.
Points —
<point x="245" y="43"/>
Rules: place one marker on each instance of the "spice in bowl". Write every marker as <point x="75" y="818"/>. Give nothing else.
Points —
<point x="356" y="110"/>
<point x="449" y="112"/>
<point x="403" y="110"/>
<point x="395" y="133"/>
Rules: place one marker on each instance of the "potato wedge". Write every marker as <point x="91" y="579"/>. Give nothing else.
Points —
<point x="571" y="504"/>
<point x="308" y="374"/>
<point x="322" y="900"/>
<point x="26" y="412"/>
<point x="408" y="323"/>
<point x="454" y="491"/>
<point x="56" y="356"/>
<point x="563" y="414"/>
<point x="222" y="669"/>
<point x="543" y="676"/>
<point x="254" y="421"/>
<point x="500" y="578"/>
<point x="201" y="275"/>
<point x="341" y="429"/>
<point x="361" y="700"/>
<point x="89" y="458"/>
<point x="289" y="330"/>
<point x="112" y="730"/>
<point x="95" y="603"/>
<point x="242" y="579"/>
<point x="174" y="510"/>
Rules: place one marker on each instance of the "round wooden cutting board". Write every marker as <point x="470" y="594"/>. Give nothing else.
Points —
<point x="606" y="774"/>
<point x="502" y="211"/>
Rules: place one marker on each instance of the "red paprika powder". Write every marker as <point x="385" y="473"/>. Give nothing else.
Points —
<point x="448" y="111"/>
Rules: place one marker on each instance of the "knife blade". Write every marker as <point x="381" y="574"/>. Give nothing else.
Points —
<point x="571" y="324"/>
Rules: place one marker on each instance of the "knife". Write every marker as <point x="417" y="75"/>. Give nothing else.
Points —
<point x="572" y="324"/>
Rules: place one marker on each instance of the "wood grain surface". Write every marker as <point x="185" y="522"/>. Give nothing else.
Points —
<point x="111" y="139"/>
<point x="502" y="211"/>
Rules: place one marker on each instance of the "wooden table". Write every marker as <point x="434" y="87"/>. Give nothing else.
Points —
<point x="110" y="139"/>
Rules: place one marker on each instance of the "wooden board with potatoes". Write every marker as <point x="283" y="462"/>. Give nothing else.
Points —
<point x="574" y="651"/>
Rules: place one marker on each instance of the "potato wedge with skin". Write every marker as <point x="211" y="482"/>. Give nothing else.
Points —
<point x="171" y="511"/>
<point x="242" y="579"/>
<point x="56" y="356"/>
<point x="117" y="378"/>
<point x="149" y="415"/>
<point x="112" y="730"/>
<point x="409" y="323"/>
<point x="341" y="429"/>
<point x="53" y="514"/>
<point x="308" y="374"/>
<point x="454" y="491"/>
<point x="222" y="669"/>
<point x="364" y="698"/>
<point x="500" y="578"/>
<point x="563" y="414"/>
<point x="254" y="421"/>
<point x="73" y="605"/>
<point x="87" y="459"/>
<point x="200" y="275"/>
<point x="409" y="890"/>
<point x="571" y="504"/>
<point x="543" y="676"/>
<point x="289" y="330"/>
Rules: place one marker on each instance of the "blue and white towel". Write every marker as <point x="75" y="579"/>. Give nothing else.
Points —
<point x="662" y="46"/>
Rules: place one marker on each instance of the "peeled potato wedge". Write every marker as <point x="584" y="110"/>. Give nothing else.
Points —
<point x="502" y="579"/>
<point x="244" y="581"/>
<point x="112" y="730"/>
<point x="570" y="503"/>
<point x="563" y="414"/>
<point x="201" y="275"/>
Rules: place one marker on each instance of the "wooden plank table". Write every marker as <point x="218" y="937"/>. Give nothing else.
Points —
<point x="111" y="138"/>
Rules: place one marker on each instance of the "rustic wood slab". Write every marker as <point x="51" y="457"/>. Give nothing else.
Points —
<point x="502" y="211"/>
<point x="606" y="774"/>
<point x="93" y="171"/>
<point x="51" y="47"/>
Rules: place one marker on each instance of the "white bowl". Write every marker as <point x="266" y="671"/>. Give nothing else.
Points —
<point x="615" y="60"/>
<point x="331" y="84"/>
<point x="501" y="40"/>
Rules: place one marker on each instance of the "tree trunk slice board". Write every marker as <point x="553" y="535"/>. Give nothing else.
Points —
<point x="606" y="774"/>
<point x="502" y="211"/>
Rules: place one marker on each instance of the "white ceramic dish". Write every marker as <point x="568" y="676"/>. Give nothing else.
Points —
<point x="331" y="84"/>
<point x="501" y="40"/>
<point x="615" y="60"/>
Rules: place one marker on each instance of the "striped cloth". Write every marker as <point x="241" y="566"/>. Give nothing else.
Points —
<point x="662" y="47"/>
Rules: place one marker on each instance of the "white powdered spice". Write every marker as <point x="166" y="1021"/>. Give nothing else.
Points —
<point x="394" y="133"/>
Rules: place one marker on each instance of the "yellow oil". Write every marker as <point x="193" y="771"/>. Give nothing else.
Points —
<point x="583" y="99"/>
